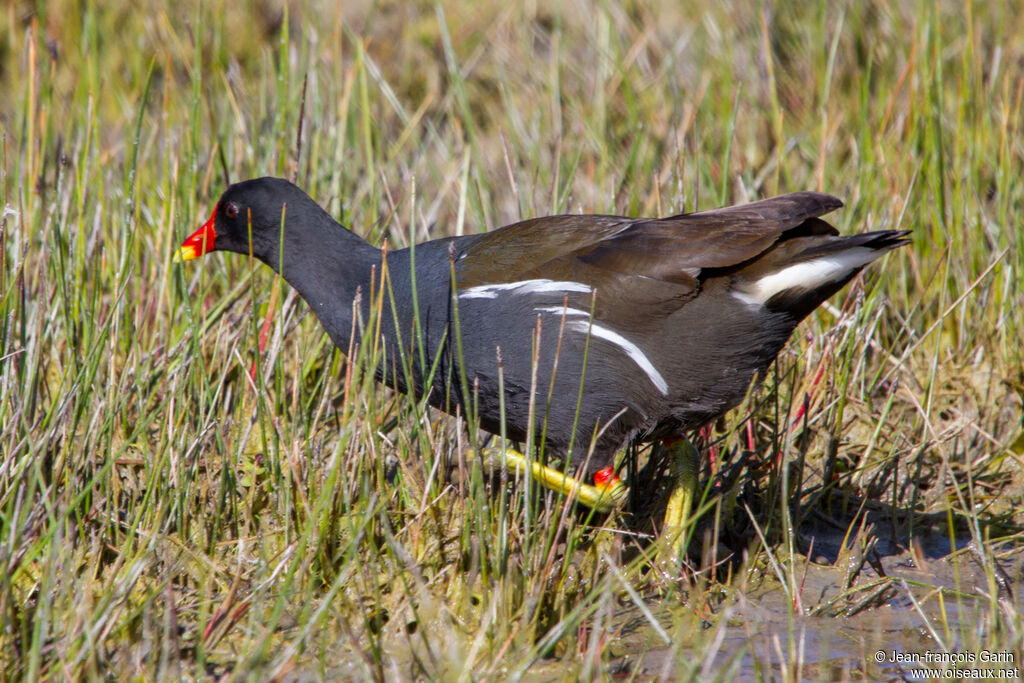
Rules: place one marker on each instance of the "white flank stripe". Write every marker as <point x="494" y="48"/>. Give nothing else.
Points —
<point x="523" y="287"/>
<point x="560" y="310"/>
<point x="631" y="349"/>
<point x="808" y="275"/>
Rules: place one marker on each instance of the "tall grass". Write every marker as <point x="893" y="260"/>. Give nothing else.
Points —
<point x="166" y="514"/>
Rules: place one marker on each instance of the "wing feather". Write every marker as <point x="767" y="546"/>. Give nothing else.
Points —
<point x="650" y="264"/>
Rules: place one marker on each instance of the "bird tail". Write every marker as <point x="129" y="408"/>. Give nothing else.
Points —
<point x="798" y="274"/>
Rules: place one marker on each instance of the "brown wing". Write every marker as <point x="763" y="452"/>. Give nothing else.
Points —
<point x="516" y="251"/>
<point x="651" y="263"/>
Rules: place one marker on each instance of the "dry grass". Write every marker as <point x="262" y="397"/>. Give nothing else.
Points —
<point x="162" y="515"/>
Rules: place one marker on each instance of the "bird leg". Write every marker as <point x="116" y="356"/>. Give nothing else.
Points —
<point x="603" y="496"/>
<point x="608" y="491"/>
<point x="684" y="465"/>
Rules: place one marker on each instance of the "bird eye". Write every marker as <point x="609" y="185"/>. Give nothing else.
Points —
<point x="231" y="210"/>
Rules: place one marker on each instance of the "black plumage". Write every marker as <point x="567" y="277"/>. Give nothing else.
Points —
<point x="664" y="321"/>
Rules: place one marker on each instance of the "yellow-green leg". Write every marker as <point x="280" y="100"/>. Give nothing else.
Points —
<point x="684" y="466"/>
<point x="603" y="497"/>
<point x="608" y="491"/>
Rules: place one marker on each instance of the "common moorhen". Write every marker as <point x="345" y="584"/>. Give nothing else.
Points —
<point x="609" y="329"/>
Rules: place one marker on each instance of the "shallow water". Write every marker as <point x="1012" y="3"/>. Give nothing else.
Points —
<point x="936" y="608"/>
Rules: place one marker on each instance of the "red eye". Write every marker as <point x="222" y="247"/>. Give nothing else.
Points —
<point x="231" y="210"/>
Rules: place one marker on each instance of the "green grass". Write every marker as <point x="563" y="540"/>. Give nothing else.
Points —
<point x="162" y="515"/>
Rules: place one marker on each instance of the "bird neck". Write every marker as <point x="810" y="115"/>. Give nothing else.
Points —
<point x="333" y="269"/>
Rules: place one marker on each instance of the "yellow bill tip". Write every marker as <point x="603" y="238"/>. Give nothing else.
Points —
<point x="198" y="243"/>
<point x="185" y="253"/>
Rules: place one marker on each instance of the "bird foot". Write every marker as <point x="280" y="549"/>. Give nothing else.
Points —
<point x="606" y="494"/>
